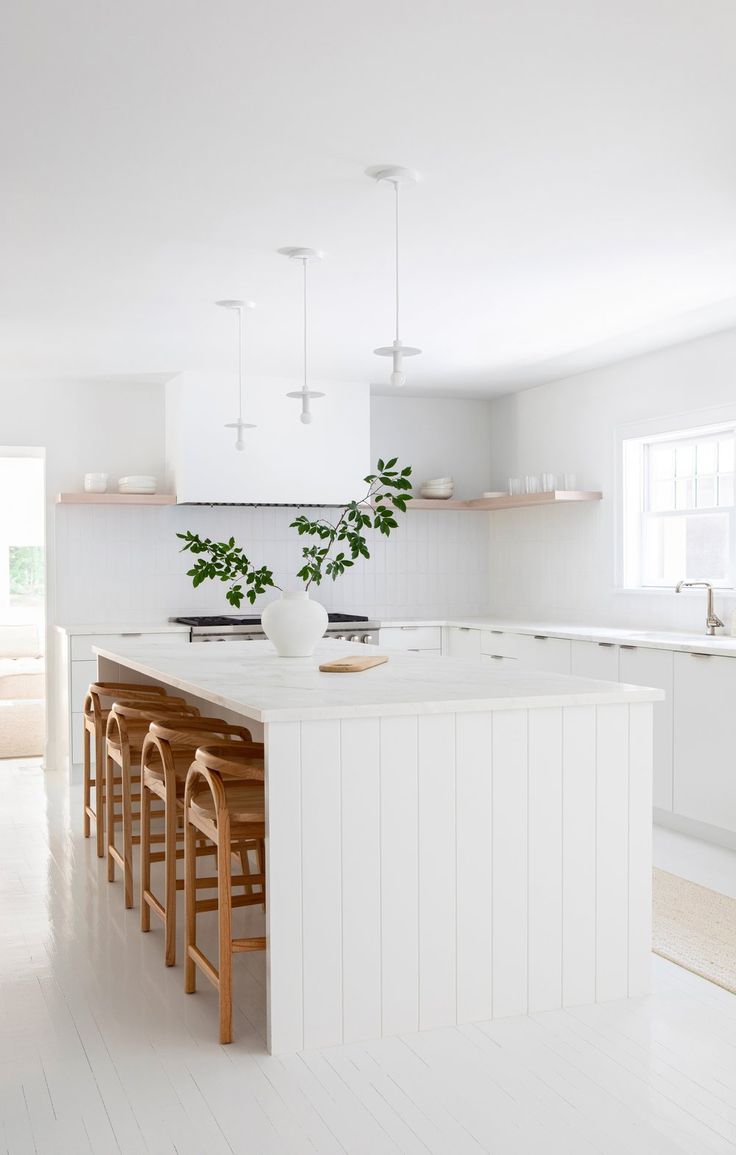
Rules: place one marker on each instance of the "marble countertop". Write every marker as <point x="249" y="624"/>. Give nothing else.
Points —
<point x="250" y="679"/>
<point x="648" y="639"/>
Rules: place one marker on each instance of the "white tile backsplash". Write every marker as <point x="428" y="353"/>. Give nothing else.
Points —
<point x="116" y="563"/>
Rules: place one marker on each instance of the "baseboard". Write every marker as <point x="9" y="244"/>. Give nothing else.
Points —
<point x="702" y="830"/>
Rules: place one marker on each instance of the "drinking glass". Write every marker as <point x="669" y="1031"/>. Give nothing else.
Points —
<point x="548" y="482"/>
<point x="514" y="486"/>
<point x="531" y="484"/>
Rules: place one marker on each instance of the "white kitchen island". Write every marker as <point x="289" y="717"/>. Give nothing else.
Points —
<point x="446" y="842"/>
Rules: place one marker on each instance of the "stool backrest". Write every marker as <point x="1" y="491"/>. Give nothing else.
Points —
<point x="189" y="733"/>
<point x="230" y="761"/>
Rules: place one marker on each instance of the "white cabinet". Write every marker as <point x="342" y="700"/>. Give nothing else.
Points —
<point x="642" y="667"/>
<point x="705" y="739"/>
<point x="427" y="638"/>
<point x="284" y="462"/>
<point x="595" y="660"/>
<point x="461" y="642"/>
<point x="499" y="662"/>
<point x="79" y="667"/>
<point x="531" y="651"/>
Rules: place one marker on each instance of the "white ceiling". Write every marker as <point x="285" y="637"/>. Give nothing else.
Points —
<point x="578" y="200"/>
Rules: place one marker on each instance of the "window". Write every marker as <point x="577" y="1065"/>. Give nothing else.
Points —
<point x="678" y="505"/>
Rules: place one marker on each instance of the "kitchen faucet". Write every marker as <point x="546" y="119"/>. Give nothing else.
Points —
<point x="712" y="621"/>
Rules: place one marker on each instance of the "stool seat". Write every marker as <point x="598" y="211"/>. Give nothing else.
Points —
<point x="245" y="802"/>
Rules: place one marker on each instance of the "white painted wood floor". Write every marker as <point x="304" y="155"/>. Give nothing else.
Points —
<point x="101" y="1051"/>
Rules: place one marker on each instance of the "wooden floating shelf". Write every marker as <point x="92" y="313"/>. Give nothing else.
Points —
<point x="116" y="499"/>
<point x="520" y="501"/>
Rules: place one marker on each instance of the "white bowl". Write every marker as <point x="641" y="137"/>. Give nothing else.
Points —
<point x="146" y="479"/>
<point x="95" y="482"/>
<point x="439" y="481"/>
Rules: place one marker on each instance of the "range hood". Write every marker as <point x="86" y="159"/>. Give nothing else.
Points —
<point x="284" y="462"/>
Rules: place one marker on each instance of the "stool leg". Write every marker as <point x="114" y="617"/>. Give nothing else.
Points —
<point x="110" y="809"/>
<point x="127" y="833"/>
<point x="190" y="906"/>
<point x="99" y="790"/>
<point x="225" y="913"/>
<point x="170" y="868"/>
<point x="145" y="854"/>
<point x="87" y="791"/>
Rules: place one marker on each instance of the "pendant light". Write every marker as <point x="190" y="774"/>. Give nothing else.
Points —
<point x="398" y="177"/>
<point x="305" y="394"/>
<point x="239" y="307"/>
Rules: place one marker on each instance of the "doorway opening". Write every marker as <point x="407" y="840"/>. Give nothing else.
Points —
<point x="22" y="603"/>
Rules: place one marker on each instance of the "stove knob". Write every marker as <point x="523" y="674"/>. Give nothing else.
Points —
<point x="356" y="638"/>
<point x="369" y="639"/>
<point x="341" y="638"/>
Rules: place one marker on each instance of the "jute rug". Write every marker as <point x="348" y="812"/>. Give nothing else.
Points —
<point x="695" y="927"/>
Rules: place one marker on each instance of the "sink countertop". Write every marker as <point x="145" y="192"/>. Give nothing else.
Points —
<point x="648" y="639"/>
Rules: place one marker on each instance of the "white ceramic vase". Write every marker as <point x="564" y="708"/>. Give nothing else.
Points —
<point x="294" y="623"/>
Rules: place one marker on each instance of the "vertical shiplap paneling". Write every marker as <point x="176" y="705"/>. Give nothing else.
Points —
<point x="361" y="878"/>
<point x="321" y="883"/>
<point x="474" y="777"/>
<point x="545" y="859"/>
<point x="612" y="858"/>
<point x="578" y="855"/>
<point x="640" y="847"/>
<point x="284" y="882"/>
<point x="399" y="876"/>
<point x="510" y="915"/>
<point x="437" y="885"/>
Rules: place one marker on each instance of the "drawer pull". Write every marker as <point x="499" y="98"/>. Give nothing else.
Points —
<point x="497" y="657"/>
<point x="698" y="654"/>
<point x="624" y="646"/>
<point x="606" y="645"/>
<point x="541" y="638"/>
<point x="132" y="634"/>
<point x="464" y="629"/>
<point x="499" y="632"/>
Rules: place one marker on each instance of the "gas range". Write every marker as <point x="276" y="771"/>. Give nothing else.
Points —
<point x="244" y="628"/>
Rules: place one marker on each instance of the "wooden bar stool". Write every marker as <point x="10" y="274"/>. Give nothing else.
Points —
<point x="96" y="710"/>
<point x="169" y="748"/>
<point x="224" y="801"/>
<point x="127" y="726"/>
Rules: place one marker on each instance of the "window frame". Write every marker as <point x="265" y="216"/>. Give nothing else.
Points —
<point x="634" y="495"/>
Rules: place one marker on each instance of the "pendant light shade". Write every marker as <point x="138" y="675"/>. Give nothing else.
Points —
<point x="305" y="394"/>
<point x="239" y="308"/>
<point x="398" y="177"/>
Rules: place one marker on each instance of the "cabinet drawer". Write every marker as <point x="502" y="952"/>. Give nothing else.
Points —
<point x="535" y="652"/>
<point x="498" y="661"/>
<point x="411" y="638"/>
<point x="595" y="660"/>
<point x="82" y="674"/>
<point x="642" y="667"/>
<point x="81" y="644"/>
<point x="461" y="642"/>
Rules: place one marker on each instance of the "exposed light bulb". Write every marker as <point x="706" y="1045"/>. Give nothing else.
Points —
<point x="240" y="445"/>
<point x="398" y="378"/>
<point x="306" y="418"/>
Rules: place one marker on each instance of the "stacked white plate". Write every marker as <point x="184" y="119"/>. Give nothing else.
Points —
<point x="137" y="483"/>
<point x="437" y="488"/>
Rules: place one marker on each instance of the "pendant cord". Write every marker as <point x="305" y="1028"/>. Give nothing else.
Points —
<point x="241" y="326"/>
<point x="396" y="189"/>
<point x="304" y="267"/>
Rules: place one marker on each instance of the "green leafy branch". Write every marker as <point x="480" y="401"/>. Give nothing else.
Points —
<point x="387" y="494"/>
<point x="226" y="562"/>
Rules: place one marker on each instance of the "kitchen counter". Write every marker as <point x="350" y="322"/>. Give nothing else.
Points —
<point x="124" y="628"/>
<point x="249" y="679"/>
<point x="649" y="639"/>
<point x="446" y="842"/>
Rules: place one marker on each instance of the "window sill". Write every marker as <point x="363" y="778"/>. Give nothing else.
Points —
<point x="649" y="592"/>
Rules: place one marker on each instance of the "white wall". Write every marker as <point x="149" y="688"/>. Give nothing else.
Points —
<point x="438" y="436"/>
<point x="82" y="427"/>
<point x="559" y="562"/>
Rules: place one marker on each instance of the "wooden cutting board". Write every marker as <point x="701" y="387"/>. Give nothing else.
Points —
<point x="353" y="664"/>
